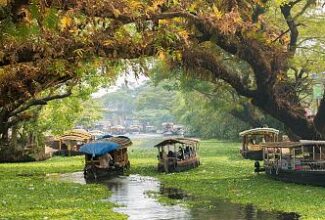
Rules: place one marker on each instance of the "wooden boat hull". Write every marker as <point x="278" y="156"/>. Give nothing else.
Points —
<point x="178" y="166"/>
<point x="306" y="177"/>
<point x="67" y="153"/>
<point x="92" y="173"/>
<point x="252" y="155"/>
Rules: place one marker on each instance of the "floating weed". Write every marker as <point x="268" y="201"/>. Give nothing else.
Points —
<point x="225" y="175"/>
<point x="26" y="193"/>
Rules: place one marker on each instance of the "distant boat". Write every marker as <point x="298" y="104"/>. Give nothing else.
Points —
<point x="178" y="154"/>
<point x="96" y="134"/>
<point x="69" y="143"/>
<point x="251" y="148"/>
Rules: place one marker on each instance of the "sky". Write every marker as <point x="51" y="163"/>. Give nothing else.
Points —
<point x="128" y="78"/>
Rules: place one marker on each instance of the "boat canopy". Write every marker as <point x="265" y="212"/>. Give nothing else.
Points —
<point x="76" y="135"/>
<point x="122" y="141"/>
<point x="304" y="143"/>
<point x="98" y="148"/>
<point x="256" y="131"/>
<point x="187" y="141"/>
<point x="72" y="138"/>
<point x="104" y="146"/>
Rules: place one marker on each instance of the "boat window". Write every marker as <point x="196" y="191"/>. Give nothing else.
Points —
<point x="257" y="139"/>
<point x="180" y="153"/>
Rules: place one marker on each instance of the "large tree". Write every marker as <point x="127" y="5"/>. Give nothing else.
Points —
<point x="251" y="45"/>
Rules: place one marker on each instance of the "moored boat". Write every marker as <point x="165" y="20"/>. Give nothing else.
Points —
<point x="297" y="162"/>
<point x="252" y="140"/>
<point x="69" y="143"/>
<point x="178" y="154"/>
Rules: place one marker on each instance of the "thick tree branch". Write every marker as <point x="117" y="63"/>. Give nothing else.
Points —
<point x="286" y="12"/>
<point x="35" y="102"/>
<point x="306" y="6"/>
<point x="198" y="58"/>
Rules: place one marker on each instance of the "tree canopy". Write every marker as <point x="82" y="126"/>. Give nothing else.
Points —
<point x="264" y="50"/>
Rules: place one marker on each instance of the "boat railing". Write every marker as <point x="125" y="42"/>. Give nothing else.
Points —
<point x="314" y="165"/>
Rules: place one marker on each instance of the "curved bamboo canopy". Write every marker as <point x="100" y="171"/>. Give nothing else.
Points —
<point x="186" y="141"/>
<point x="256" y="131"/>
<point x="76" y="135"/>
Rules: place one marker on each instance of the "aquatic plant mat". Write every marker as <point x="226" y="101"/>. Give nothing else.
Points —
<point x="225" y="175"/>
<point x="31" y="191"/>
<point x="27" y="192"/>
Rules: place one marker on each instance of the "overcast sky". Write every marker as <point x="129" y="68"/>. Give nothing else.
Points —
<point x="129" y="78"/>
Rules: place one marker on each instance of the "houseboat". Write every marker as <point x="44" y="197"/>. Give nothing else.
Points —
<point x="106" y="157"/>
<point x="177" y="154"/>
<point x="69" y="143"/>
<point x="252" y="139"/>
<point x="297" y="162"/>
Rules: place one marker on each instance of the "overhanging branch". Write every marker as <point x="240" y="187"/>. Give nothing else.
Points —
<point x="286" y="12"/>
<point x="36" y="102"/>
<point x="198" y="58"/>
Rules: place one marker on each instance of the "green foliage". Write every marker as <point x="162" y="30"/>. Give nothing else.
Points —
<point x="61" y="115"/>
<point x="202" y="106"/>
<point x="26" y="193"/>
<point x="154" y="104"/>
<point x="206" y="118"/>
<point x="78" y="109"/>
<point x="147" y="103"/>
<point x="210" y="109"/>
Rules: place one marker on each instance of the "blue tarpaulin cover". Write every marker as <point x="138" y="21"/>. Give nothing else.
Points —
<point x="98" y="148"/>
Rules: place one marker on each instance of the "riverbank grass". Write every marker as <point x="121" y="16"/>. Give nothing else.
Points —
<point x="27" y="193"/>
<point x="225" y="175"/>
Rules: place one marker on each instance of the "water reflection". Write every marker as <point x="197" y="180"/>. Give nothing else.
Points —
<point x="225" y="210"/>
<point x="219" y="209"/>
<point x="132" y="194"/>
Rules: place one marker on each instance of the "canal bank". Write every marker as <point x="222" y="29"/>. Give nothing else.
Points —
<point x="225" y="175"/>
<point x="26" y="190"/>
<point x="145" y="198"/>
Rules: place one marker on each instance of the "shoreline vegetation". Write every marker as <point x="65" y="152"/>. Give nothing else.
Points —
<point x="27" y="192"/>
<point x="225" y="175"/>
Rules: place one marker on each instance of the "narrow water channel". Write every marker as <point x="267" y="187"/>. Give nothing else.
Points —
<point x="132" y="194"/>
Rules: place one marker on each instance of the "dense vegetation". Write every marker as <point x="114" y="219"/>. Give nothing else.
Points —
<point x="27" y="192"/>
<point x="229" y="62"/>
<point x="31" y="191"/>
<point x="264" y="51"/>
<point x="224" y="174"/>
<point x="206" y="111"/>
<point x="146" y="104"/>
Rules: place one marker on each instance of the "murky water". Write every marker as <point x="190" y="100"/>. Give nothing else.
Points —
<point x="132" y="194"/>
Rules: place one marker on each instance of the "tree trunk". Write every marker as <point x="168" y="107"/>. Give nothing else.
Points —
<point x="319" y="120"/>
<point x="247" y="115"/>
<point x="10" y="150"/>
<point x="292" y="116"/>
